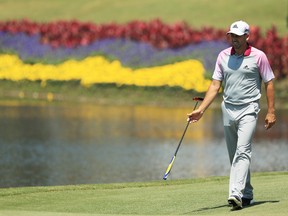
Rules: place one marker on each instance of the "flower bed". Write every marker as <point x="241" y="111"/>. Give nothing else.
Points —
<point x="129" y="53"/>
<point x="92" y="70"/>
<point x="75" y="33"/>
<point x="153" y="49"/>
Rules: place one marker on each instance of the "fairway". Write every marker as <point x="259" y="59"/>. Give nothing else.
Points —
<point x="183" y="197"/>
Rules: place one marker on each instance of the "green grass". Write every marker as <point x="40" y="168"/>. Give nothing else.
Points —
<point x="111" y="94"/>
<point x="72" y="91"/>
<point x="182" y="197"/>
<point x="219" y="13"/>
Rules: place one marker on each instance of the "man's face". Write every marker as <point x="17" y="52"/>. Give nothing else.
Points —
<point x="238" y="41"/>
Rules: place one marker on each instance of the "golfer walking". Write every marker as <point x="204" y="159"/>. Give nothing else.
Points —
<point x="241" y="68"/>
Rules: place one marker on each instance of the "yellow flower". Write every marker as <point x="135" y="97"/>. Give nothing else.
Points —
<point x="94" y="70"/>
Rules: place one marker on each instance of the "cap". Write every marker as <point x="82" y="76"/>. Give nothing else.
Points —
<point x="239" y="28"/>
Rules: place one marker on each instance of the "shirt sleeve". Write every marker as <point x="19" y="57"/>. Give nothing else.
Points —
<point x="265" y="69"/>
<point x="218" y="72"/>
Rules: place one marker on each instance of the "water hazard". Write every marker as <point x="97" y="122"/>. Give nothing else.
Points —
<point x="54" y="144"/>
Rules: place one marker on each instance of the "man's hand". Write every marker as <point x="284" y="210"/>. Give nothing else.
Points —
<point x="194" y="116"/>
<point x="270" y="120"/>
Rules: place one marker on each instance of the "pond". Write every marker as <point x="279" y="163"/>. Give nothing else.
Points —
<point x="64" y="144"/>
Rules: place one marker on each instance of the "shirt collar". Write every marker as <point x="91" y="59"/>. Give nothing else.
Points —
<point x="246" y="53"/>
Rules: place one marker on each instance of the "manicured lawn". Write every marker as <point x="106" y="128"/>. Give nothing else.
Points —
<point x="183" y="197"/>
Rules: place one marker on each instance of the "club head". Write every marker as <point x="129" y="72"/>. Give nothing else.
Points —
<point x="165" y="176"/>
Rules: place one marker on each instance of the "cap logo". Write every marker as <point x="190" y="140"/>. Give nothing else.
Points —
<point x="235" y="26"/>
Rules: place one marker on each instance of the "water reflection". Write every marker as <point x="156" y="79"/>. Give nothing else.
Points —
<point x="79" y="144"/>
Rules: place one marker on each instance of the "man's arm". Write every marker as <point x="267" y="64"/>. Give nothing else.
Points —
<point x="209" y="97"/>
<point x="270" y="116"/>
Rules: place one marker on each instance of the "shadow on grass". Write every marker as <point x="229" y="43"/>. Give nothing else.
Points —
<point x="262" y="202"/>
<point x="207" y="208"/>
<point x="225" y="206"/>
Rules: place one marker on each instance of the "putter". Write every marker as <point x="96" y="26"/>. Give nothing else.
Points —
<point x="197" y="99"/>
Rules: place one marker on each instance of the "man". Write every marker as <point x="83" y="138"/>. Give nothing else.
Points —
<point x="241" y="68"/>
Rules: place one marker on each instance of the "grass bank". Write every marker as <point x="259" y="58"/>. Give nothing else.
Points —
<point x="178" y="197"/>
<point x="220" y="14"/>
<point x="28" y="91"/>
<point x="73" y="92"/>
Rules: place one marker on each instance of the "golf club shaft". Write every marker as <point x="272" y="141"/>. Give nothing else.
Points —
<point x="187" y="125"/>
<point x="197" y="99"/>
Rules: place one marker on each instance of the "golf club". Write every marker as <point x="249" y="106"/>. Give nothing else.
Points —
<point x="197" y="99"/>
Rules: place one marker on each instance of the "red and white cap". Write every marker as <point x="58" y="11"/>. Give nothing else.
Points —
<point x="239" y="28"/>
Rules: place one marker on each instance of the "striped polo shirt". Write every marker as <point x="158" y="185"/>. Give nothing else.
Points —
<point x="242" y="75"/>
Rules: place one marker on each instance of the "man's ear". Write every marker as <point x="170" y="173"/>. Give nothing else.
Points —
<point x="247" y="37"/>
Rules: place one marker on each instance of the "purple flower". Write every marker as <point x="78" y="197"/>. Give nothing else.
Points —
<point x="129" y="53"/>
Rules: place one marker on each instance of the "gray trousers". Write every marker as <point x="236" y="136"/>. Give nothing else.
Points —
<point x="239" y="127"/>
